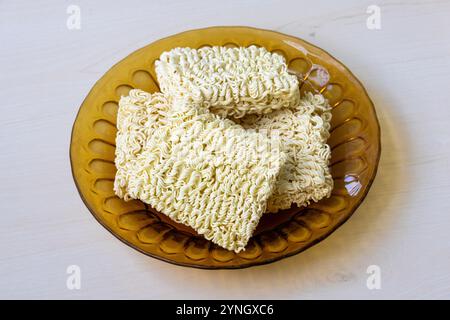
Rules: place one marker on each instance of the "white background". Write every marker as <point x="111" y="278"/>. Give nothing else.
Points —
<point x="403" y="225"/>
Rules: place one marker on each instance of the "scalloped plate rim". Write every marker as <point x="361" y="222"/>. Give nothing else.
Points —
<point x="253" y="263"/>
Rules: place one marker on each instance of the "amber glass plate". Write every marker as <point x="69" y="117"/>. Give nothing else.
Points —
<point x="355" y="143"/>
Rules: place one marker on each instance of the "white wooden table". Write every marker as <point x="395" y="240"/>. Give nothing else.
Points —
<point x="403" y="226"/>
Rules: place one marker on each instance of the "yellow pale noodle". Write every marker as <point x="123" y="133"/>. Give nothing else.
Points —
<point x="229" y="81"/>
<point x="195" y="167"/>
<point x="303" y="130"/>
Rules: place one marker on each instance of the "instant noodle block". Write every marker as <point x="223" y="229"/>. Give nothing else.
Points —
<point x="228" y="81"/>
<point x="303" y="130"/>
<point x="195" y="167"/>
